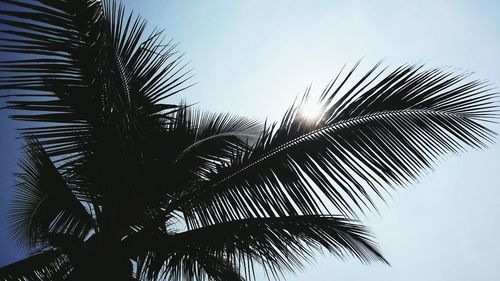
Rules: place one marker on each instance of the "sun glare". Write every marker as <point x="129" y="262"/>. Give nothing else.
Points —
<point x="311" y="111"/>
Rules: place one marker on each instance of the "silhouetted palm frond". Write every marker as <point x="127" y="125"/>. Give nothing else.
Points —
<point x="381" y="132"/>
<point x="280" y="244"/>
<point x="84" y="67"/>
<point x="43" y="203"/>
<point x="205" y="140"/>
<point x="48" y="265"/>
<point x="186" y="264"/>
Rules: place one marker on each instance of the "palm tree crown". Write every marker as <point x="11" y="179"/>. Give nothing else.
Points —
<point x="117" y="184"/>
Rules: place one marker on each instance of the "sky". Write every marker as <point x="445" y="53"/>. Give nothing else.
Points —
<point x="253" y="57"/>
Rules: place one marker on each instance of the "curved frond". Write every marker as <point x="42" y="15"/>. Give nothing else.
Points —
<point x="48" y="265"/>
<point x="87" y="69"/>
<point x="192" y="148"/>
<point x="53" y="54"/>
<point x="186" y="265"/>
<point x="382" y="132"/>
<point x="43" y="202"/>
<point x="279" y="244"/>
<point x="209" y="139"/>
<point x="149" y="69"/>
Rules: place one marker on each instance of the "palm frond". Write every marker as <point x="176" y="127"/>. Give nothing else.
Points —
<point x="99" y="71"/>
<point x="187" y="265"/>
<point x="51" y="46"/>
<point x="208" y="139"/>
<point x="47" y="265"/>
<point x="382" y="132"/>
<point x="101" y="97"/>
<point x="150" y="69"/>
<point x="191" y="148"/>
<point x="279" y="243"/>
<point x="43" y="202"/>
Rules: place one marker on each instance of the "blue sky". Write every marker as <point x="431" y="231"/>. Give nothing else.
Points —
<point x="253" y="57"/>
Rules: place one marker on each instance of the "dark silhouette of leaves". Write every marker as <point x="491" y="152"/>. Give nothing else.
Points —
<point x="117" y="183"/>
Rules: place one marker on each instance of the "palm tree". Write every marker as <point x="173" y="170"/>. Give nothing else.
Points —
<point x="116" y="184"/>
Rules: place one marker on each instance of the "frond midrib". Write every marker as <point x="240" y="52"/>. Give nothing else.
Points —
<point x="338" y="125"/>
<point x="204" y="140"/>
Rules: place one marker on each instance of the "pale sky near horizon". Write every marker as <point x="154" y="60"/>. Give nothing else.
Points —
<point x="253" y="57"/>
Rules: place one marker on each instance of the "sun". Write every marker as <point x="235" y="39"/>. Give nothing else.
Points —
<point x="311" y="111"/>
